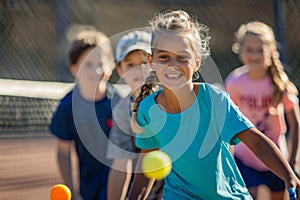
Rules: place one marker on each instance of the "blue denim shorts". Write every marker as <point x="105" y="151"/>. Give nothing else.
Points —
<point x="254" y="178"/>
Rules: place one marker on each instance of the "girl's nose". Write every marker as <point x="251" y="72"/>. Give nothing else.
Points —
<point x="256" y="53"/>
<point x="172" y="62"/>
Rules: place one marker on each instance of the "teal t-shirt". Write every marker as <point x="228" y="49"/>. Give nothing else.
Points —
<point x="197" y="141"/>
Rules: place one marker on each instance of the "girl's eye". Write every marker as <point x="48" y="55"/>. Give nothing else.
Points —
<point x="129" y="65"/>
<point x="248" y="50"/>
<point x="162" y="57"/>
<point x="260" y="51"/>
<point x="183" y="58"/>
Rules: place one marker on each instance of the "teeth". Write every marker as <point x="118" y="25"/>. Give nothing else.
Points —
<point x="173" y="75"/>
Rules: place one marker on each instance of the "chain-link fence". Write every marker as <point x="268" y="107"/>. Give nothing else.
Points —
<point x="34" y="45"/>
<point x="33" y="42"/>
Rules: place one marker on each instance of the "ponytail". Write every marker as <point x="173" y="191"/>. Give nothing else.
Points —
<point x="151" y="85"/>
<point x="280" y="80"/>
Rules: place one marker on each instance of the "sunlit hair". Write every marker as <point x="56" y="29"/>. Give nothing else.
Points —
<point x="181" y="23"/>
<point x="280" y="80"/>
<point x="90" y="39"/>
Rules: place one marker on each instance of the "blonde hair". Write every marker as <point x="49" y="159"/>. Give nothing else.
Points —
<point x="280" y="80"/>
<point x="179" y="22"/>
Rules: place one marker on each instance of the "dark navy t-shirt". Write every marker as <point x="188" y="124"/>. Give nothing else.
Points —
<point x="88" y="125"/>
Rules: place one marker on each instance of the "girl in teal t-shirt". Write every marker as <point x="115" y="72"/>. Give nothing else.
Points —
<point x="194" y="123"/>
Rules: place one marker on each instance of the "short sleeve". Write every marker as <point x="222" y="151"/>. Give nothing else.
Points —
<point x="146" y="139"/>
<point x="226" y="116"/>
<point x="235" y="122"/>
<point x="61" y="122"/>
<point x="121" y="136"/>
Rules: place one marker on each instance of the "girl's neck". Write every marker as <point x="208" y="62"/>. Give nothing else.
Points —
<point x="257" y="74"/>
<point x="175" y="101"/>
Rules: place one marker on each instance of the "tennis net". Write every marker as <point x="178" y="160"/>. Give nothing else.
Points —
<point x="27" y="107"/>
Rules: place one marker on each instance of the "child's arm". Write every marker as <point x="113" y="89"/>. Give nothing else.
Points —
<point x="141" y="185"/>
<point x="293" y="120"/>
<point x="65" y="166"/>
<point x="269" y="153"/>
<point x="119" y="178"/>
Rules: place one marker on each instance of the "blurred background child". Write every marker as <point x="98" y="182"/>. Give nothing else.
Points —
<point x="132" y="59"/>
<point x="91" y="62"/>
<point x="265" y="95"/>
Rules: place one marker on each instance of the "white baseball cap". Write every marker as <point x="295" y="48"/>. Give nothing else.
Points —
<point x="135" y="40"/>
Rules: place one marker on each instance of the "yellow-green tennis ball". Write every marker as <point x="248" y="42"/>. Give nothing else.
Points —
<point x="156" y="165"/>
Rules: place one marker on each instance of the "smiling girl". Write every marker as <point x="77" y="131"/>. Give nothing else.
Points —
<point x="194" y="123"/>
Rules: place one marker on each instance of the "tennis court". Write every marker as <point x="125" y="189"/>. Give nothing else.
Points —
<point x="28" y="168"/>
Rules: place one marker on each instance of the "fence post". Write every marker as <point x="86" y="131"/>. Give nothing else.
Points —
<point x="280" y="29"/>
<point x="62" y="24"/>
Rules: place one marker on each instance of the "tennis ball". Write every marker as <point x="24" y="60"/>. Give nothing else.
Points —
<point x="60" y="192"/>
<point x="156" y="165"/>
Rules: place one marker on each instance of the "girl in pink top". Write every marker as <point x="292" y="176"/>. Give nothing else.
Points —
<point x="264" y="94"/>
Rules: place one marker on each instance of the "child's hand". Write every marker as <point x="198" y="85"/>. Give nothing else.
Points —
<point x="293" y="187"/>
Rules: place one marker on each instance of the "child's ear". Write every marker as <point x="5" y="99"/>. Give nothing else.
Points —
<point x="73" y="69"/>
<point x="198" y="62"/>
<point x="149" y="57"/>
